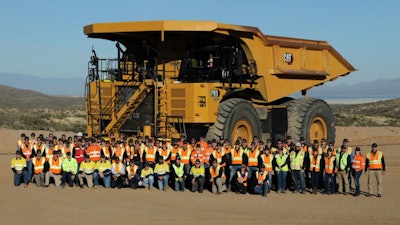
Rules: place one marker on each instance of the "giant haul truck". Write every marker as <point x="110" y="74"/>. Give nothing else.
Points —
<point x="204" y="78"/>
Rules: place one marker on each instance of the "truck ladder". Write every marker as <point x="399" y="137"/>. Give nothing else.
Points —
<point x="119" y="118"/>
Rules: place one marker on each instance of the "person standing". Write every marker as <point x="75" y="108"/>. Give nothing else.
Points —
<point x="238" y="157"/>
<point x="70" y="169"/>
<point x="358" y="165"/>
<point x="297" y="167"/>
<point x="18" y="166"/>
<point x="281" y="164"/>
<point x="316" y="165"/>
<point x="375" y="167"/>
<point x="330" y="167"/>
<point x="342" y="166"/>
<point x="252" y="156"/>
<point x="27" y="153"/>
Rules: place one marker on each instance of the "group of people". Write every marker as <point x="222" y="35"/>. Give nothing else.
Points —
<point x="214" y="165"/>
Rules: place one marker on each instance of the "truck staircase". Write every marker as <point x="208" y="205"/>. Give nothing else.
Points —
<point x="119" y="117"/>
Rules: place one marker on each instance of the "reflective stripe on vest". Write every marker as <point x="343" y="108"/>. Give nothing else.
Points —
<point x="267" y="161"/>
<point x="261" y="176"/>
<point x="55" y="165"/>
<point x="27" y="150"/>
<point x="280" y="160"/>
<point x="315" y="163"/>
<point x="150" y="154"/>
<point x="214" y="172"/>
<point x="242" y="177"/>
<point x="358" y="162"/>
<point x="185" y="155"/>
<point x="343" y="162"/>
<point x="38" y="164"/>
<point x="253" y="157"/>
<point x="329" y="164"/>
<point x="296" y="160"/>
<point x="375" y="161"/>
<point x="237" y="156"/>
<point x="179" y="171"/>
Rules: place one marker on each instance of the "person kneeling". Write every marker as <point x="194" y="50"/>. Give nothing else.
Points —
<point x="86" y="171"/>
<point x="198" y="177"/>
<point x="262" y="182"/>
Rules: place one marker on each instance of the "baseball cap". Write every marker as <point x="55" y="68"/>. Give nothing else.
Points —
<point x="298" y="144"/>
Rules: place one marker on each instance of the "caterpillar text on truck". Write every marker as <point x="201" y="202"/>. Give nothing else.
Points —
<point x="204" y="78"/>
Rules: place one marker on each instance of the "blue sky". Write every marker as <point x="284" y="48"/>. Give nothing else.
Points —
<point x="45" y="38"/>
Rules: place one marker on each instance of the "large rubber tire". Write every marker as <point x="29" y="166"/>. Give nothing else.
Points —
<point x="310" y="118"/>
<point x="236" y="117"/>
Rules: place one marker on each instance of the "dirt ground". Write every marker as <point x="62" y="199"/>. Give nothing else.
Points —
<point x="53" y="205"/>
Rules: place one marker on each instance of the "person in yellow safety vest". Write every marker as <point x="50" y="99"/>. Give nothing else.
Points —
<point x="178" y="168"/>
<point x="217" y="178"/>
<point x="161" y="170"/>
<point x="281" y="164"/>
<point x="315" y="166"/>
<point x="349" y="152"/>
<point x="147" y="177"/>
<point x="358" y="165"/>
<point x="18" y="166"/>
<point x="118" y="172"/>
<point x="103" y="168"/>
<point x="86" y="171"/>
<point x="38" y="168"/>
<point x="266" y="159"/>
<point x="262" y="184"/>
<point x="242" y="176"/>
<point x="329" y="177"/>
<point x="297" y="167"/>
<point x="55" y="168"/>
<point x="238" y="157"/>
<point x="197" y="173"/>
<point x="252" y="157"/>
<point x="70" y="169"/>
<point x="375" y="167"/>
<point x="343" y="164"/>
<point x="133" y="174"/>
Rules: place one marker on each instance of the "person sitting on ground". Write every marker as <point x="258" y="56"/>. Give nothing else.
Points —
<point x="146" y="175"/>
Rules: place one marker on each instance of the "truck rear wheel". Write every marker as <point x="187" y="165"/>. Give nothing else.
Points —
<point x="236" y="118"/>
<point x="310" y="118"/>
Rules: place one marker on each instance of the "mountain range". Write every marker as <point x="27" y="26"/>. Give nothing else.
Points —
<point x="76" y="86"/>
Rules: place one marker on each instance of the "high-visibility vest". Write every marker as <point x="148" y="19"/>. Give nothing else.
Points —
<point x="237" y="156"/>
<point x="310" y="150"/>
<point x="280" y="160"/>
<point x="18" y="164"/>
<point x="315" y="163"/>
<point x="296" y="160"/>
<point x="174" y="152"/>
<point x="179" y="170"/>
<point x="38" y="164"/>
<point x="94" y="151"/>
<point x="49" y="153"/>
<point x="132" y="169"/>
<point x="267" y="161"/>
<point x="55" y="165"/>
<point x="88" y="167"/>
<point x="79" y="154"/>
<point x="150" y="154"/>
<point x="227" y="149"/>
<point x="242" y="177"/>
<point x="358" y="162"/>
<point x="218" y="156"/>
<point x="375" y="161"/>
<point x="197" y="156"/>
<point x="106" y="151"/>
<point x="329" y="164"/>
<point x="165" y="153"/>
<point x="27" y="150"/>
<point x="119" y="153"/>
<point x="102" y="166"/>
<point x="118" y="168"/>
<point x="161" y="169"/>
<point x="185" y="155"/>
<point x="261" y="176"/>
<point x="349" y="150"/>
<point x="253" y="157"/>
<point x="341" y="164"/>
<point x="214" y="172"/>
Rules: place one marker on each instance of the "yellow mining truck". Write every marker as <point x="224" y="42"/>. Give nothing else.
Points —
<point x="204" y="78"/>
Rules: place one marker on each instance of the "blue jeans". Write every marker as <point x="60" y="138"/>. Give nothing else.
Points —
<point x="29" y="167"/>
<point x="179" y="185"/>
<point x="298" y="175"/>
<point x="107" y="181"/>
<point x="233" y="173"/>
<point x="281" y="175"/>
<point x="261" y="189"/>
<point x="17" y="178"/>
<point x="163" y="181"/>
<point x="95" y="178"/>
<point x="148" y="181"/>
<point x="252" y="170"/>
<point x="357" y="175"/>
<point x="330" y="183"/>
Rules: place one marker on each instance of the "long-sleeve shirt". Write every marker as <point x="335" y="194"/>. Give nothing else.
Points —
<point x="197" y="172"/>
<point x="18" y="164"/>
<point x="382" y="160"/>
<point x="87" y="167"/>
<point x="161" y="169"/>
<point x="70" y="165"/>
<point x="145" y="173"/>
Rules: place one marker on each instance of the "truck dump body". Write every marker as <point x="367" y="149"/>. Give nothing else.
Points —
<point x="190" y="75"/>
